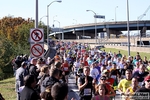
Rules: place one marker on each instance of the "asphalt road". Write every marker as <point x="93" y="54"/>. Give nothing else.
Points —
<point x="73" y="89"/>
<point x="74" y="92"/>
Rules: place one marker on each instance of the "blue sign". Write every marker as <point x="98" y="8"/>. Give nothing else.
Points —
<point x="99" y="16"/>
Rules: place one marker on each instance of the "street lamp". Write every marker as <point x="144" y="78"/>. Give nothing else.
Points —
<point x="128" y="28"/>
<point x="59" y="27"/>
<point x="139" y="18"/>
<point x="53" y="19"/>
<point x="48" y="20"/>
<point x="74" y="29"/>
<point x="115" y="13"/>
<point x="75" y="20"/>
<point x="42" y="18"/>
<point x="95" y="24"/>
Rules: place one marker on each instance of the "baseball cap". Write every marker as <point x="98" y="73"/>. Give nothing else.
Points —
<point x="147" y="78"/>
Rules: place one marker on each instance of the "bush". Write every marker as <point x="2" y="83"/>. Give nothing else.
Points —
<point x="6" y="72"/>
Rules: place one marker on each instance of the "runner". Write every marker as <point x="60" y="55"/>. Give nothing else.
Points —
<point x="85" y="85"/>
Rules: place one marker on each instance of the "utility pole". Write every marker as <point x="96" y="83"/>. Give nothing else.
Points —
<point x="36" y="15"/>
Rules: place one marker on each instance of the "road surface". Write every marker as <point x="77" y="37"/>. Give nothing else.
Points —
<point x="74" y="92"/>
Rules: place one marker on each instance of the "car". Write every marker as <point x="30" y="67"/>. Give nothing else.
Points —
<point x="99" y="47"/>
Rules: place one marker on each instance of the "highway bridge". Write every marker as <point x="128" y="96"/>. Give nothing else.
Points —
<point x="74" y="31"/>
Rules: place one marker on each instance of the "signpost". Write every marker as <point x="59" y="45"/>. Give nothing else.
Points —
<point x="36" y="42"/>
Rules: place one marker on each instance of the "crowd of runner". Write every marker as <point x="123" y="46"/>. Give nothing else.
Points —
<point x="98" y="74"/>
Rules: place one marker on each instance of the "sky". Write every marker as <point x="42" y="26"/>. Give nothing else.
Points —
<point x="72" y="12"/>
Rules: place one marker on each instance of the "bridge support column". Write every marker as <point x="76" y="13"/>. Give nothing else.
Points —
<point x="143" y="32"/>
<point x="115" y="32"/>
<point x="108" y="34"/>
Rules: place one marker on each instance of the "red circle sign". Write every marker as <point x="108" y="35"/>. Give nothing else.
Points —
<point x="37" y="50"/>
<point x="36" y="35"/>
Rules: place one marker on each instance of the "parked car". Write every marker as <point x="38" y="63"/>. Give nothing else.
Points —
<point x="99" y="47"/>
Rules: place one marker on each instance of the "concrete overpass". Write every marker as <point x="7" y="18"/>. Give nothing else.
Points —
<point x="71" y="32"/>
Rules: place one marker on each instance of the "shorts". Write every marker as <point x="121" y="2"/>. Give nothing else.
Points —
<point x="75" y="73"/>
<point x="67" y="73"/>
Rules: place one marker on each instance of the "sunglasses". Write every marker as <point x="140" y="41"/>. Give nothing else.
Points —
<point x="103" y="79"/>
<point x="148" y="80"/>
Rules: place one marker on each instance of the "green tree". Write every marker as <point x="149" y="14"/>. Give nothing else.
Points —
<point x="14" y="36"/>
<point x="42" y="25"/>
<point x="23" y="38"/>
<point x="7" y="53"/>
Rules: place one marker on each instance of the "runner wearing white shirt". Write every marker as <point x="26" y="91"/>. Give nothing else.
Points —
<point x="94" y="73"/>
<point x="92" y="52"/>
<point x="120" y="65"/>
<point x="109" y="65"/>
<point x="76" y="66"/>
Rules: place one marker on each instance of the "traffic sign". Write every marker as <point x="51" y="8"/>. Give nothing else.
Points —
<point x="99" y="16"/>
<point x="37" y="50"/>
<point x="36" y="35"/>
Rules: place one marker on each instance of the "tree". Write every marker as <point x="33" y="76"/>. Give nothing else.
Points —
<point x="14" y="35"/>
<point x="42" y="25"/>
<point x="7" y="53"/>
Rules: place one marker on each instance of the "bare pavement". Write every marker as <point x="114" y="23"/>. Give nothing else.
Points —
<point x="74" y="92"/>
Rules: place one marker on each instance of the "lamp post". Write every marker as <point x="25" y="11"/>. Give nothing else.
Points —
<point x="48" y="20"/>
<point x="95" y="25"/>
<point x="42" y="18"/>
<point x="139" y="18"/>
<point x="59" y="27"/>
<point x="128" y="28"/>
<point x="53" y="19"/>
<point x="74" y="28"/>
<point x="36" y="14"/>
<point x="115" y="13"/>
<point x="75" y="20"/>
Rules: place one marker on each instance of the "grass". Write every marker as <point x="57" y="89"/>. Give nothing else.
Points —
<point x="142" y="54"/>
<point x="7" y="89"/>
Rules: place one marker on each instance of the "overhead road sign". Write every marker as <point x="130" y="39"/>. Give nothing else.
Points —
<point x="99" y="16"/>
<point x="36" y="35"/>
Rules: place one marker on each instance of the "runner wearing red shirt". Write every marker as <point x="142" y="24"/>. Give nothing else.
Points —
<point x="65" y="68"/>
